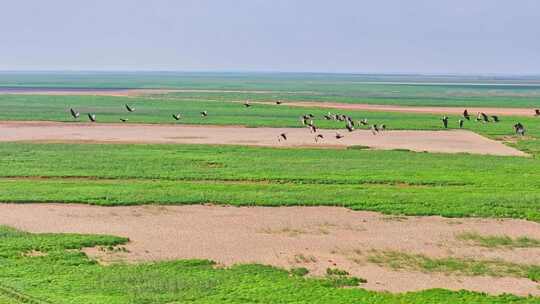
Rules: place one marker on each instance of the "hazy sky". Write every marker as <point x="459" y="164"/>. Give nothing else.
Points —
<point x="426" y="36"/>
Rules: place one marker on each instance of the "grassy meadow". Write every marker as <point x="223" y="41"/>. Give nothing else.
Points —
<point x="45" y="268"/>
<point x="49" y="268"/>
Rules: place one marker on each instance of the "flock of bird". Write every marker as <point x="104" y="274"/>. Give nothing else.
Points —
<point x="307" y="120"/>
<point x="519" y="129"/>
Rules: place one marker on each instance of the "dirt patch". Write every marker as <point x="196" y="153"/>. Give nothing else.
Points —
<point x="454" y="141"/>
<point x="410" y="109"/>
<point x="289" y="237"/>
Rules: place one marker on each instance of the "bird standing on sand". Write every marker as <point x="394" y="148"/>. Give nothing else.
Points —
<point x="130" y="109"/>
<point x="282" y="136"/>
<point x="92" y="117"/>
<point x="537" y="112"/>
<point x="339" y="136"/>
<point x="318" y="137"/>
<point x="445" y="121"/>
<point x="74" y="113"/>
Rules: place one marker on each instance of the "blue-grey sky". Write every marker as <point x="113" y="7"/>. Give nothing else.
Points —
<point x="385" y="36"/>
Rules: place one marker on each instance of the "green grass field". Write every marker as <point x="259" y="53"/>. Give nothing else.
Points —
<point x="376" y="89"/>
<point x="392" y="182"/>
<point x="387" y="181"/>
<point x="61" y="275"/>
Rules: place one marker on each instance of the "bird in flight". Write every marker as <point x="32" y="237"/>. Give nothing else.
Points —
<point x="74" y="113"/>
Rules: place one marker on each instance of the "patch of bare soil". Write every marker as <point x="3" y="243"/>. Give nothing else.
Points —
<point x="410" y="109"/>
<point x="311" y="237"/>
<point x="455" y="141"/>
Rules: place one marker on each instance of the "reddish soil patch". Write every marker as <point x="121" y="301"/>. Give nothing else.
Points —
<point x="312" y="237"/>
<point x="456" y="141"/>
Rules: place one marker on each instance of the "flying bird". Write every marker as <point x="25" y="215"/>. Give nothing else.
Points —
<point x="92" y="117"/>
<point x="74" y="113"/>
<point x="130" y="109"/>
<point x="466" y="115"/>
<point x="176" y="116"/>
<point x="445" y="121"/>
<point x="374" y="129"/>
<point x="519" y="129"/>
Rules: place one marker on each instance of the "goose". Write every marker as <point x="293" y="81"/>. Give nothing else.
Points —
<point x="312" y="128"/>
<point x="74" y="113"/>
<point x="279" y="102"/>
<point x="349" y="127"/>
<point x="537" y="112"/>
<point x="282" y="136"/>
<point x="382" y="127"/>
<point x="339" y="136"/>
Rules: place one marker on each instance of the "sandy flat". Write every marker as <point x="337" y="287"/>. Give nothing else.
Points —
<point x="410" y="109"/>
<point x="455" y="141"/>
<point x="311" y="237"/>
